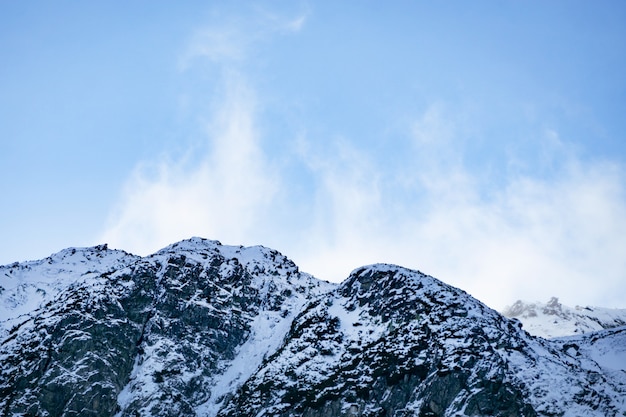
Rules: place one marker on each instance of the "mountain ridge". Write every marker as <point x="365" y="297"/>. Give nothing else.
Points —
<point x="204" y="329"/>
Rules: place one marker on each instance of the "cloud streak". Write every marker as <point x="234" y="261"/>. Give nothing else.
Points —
<point x="226" y="43"/>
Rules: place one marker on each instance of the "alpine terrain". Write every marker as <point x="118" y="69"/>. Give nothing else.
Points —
<point x="204" y="329"/>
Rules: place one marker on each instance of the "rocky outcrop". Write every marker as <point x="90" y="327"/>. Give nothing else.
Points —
<point x="394" y="342"/>
<point x="152" y="338"/>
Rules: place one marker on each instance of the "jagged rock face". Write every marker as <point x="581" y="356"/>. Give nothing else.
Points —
<point x="158" y="332"/>
<point x="71" y="359"/>
<point x="71" y="355"/>
<point x="389" y="342"/>
<point x="27" y="286"/>
<point x="202" y="329"/>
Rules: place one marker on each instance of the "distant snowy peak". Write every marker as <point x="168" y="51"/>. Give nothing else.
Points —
<point x="553" y="319"/>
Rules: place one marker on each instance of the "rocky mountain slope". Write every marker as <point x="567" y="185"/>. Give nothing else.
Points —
<point x="203" y="329"/>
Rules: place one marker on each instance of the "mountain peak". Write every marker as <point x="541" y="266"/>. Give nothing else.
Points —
<point x="553" y="319"/>
<point x="191" y="244"/>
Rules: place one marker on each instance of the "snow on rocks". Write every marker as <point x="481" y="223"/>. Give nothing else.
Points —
<point x="205" y="329"/>
<point x="553" y="319"/>
<point x="27" y="286"/>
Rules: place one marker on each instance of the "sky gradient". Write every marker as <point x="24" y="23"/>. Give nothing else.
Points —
<point x="482" y="143"/>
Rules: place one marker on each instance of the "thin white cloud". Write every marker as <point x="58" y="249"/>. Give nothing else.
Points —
<point x="296" y="24"/>
<point x="531" y="238"/>
<point x="523" y="236"/>
<point x="225" y="189"/>
<point x="223" y="45"/>
<point x="271" y="22"/>
<point x="431" y="128"/>
<point x="229" y="41"/>
<point x="536" y="238"/>
<point x="224" y="194"/>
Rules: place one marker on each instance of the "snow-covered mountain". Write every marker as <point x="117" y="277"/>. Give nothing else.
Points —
<point x="203" y="329"/>
<point x="553" y="319"/>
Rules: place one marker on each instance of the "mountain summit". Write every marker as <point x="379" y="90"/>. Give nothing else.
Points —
<point x="204" y="329"/>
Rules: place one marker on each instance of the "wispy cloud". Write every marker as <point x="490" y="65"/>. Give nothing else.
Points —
<point x="230" y="40"/>
<point x="223" y="193"/>
<point x="222" y="189"/>
<point x="519" y="236"/>
<point x="522" y="237"/>
<point x="534" y="238"/>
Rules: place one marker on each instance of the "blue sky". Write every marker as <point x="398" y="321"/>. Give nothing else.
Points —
<point x="480" y="142"/>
